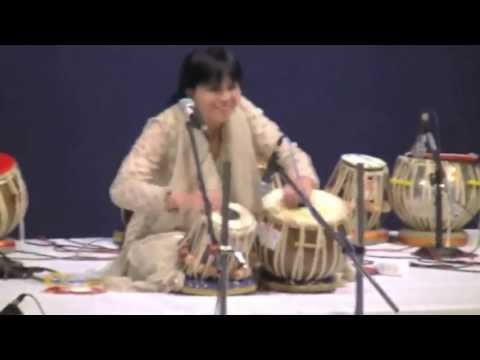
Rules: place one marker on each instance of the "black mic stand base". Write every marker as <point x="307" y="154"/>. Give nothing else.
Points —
<point x="442" y="253"/>
<point x="11" y="310"/>
<point x="426" y="242"/>
<point x="209" y="287"/>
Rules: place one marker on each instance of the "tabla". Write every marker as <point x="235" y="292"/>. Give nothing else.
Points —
<point x="13" y="195"/>
<point x="413" y="197"/>
<point x="343" y="183"/>
<point x="200" y="264"/>
<point x="296" y="254"/>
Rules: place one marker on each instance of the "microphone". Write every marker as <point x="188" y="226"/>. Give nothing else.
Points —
<point x="12" y="308"/>
<point x="271" y="168"/>
<point x="424" y="137"/>
<point x="195" y="119"/>
<point x="425" y="123"/>
<point x="426" y="131"/>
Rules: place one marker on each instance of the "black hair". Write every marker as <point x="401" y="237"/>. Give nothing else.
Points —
<point x="208" y="66"/>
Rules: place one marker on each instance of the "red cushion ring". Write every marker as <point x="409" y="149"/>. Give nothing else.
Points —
<point x="6" y="163"/>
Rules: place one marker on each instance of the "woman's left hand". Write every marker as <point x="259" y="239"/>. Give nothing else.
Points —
<point x="290" y="197"/>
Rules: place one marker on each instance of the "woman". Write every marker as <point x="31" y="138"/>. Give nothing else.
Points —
<point x="158" y="179"/>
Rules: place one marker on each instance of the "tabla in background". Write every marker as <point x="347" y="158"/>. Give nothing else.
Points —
<point x="200" y="265"/>
<point x="412" y="193"/>
<point x="13" y="198"/>
<point x="343" y="183"/>
<point x="295" y="252"/>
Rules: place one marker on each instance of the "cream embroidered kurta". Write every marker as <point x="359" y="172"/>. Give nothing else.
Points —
<point x="162" y="161"/>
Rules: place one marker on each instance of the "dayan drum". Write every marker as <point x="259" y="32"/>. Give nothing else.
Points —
<point x="13" y="195"/>
<point x="343" y="183"/>
<point x="201" y="265"/>
<point x="296" y="254"/>
<point x="412" y="193"/>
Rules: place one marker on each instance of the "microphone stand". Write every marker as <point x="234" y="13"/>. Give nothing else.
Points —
<point x="437" y="180"/>
<point x="201" y="183"/>
<point x="439" y="251"/>
<point x="223" y="249"/>
<point x="360" y="236"/>
<point x="350" y="250"/>
<point x="12" y="308"/>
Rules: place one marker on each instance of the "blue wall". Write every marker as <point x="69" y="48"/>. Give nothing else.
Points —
<point x="69" y="114"/>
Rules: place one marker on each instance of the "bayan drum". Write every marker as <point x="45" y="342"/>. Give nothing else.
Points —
<point x="413" y="197"/>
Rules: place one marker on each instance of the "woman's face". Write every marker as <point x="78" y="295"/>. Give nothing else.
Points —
<point x="216" y="103"/>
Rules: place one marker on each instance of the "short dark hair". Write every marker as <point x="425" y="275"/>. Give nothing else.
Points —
<point x="208" y="66"/>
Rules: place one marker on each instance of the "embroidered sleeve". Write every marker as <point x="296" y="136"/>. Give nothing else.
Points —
<point x="134" y="187"/>
<point x="266" y="134"/>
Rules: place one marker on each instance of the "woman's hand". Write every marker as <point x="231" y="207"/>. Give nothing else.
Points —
<point x="290" y="197"/>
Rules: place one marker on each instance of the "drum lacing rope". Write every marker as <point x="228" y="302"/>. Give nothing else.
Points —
<point x="374" y="220"/>
<point x="297" y="269"/>
<point x="335" y="186"/>
<point x="280" y="252"/>
<point x="196" y="237"/>
<point x="336" y="254"/>
<point x="17" y="193"/>
<point x="449" y="220"/>
<point x="320" y="243"/>
<point x="271" y="267"/>
<point x="16" y="185"/>
<point x="3" y="216"/>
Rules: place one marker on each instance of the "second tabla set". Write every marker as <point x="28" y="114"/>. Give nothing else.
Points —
<point x="285" y="251"/>
<point x="13" y="199"/>
<point x="412" y="193"/>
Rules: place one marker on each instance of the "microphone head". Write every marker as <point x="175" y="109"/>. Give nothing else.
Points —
<point x="425" y="125"/>
<point x="187" y="105"/>
<point x="425" y="117"/>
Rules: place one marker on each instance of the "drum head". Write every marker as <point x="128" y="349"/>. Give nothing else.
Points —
<point x="369" y="162"/>
<point x="7" y="163"/>
<point x="331" y="207"/>
<point x="240" y="218"/>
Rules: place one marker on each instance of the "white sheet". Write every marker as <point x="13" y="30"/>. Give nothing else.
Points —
<point x="422" y="291"/>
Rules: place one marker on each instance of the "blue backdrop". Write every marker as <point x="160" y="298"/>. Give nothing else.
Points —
<point x="69" y="114"/>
